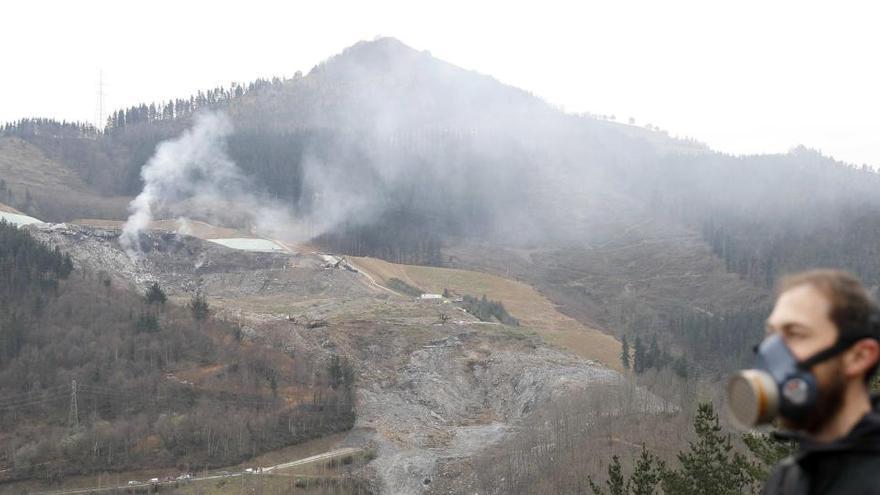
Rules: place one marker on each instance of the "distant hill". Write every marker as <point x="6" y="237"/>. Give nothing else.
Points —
<point x="38" y="185"/>
<point x="416" y="160"/>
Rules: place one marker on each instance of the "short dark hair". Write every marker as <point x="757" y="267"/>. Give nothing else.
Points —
<point x="853" y="311"/>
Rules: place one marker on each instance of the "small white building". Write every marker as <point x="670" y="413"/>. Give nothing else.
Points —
<point x="431" y="296"/>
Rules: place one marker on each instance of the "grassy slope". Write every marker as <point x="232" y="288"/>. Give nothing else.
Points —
<point x="58" y="193"/>
<point x="9" y="209"/>
<point x="631" y="273"/>
<point x="526" y="304"/>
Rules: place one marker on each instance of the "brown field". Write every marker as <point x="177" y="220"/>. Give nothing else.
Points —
<point x="9" y="209"/>
<point x="530" y="307"/>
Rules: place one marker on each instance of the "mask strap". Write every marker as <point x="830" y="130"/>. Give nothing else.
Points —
<point x="838" y="348"/>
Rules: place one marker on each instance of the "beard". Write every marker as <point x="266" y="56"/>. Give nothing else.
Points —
<point x="829" y="401"/>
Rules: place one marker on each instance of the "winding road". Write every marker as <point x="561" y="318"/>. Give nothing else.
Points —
<point x="326" y="456"/>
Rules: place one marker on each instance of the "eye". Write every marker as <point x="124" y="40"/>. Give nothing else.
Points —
<point x="793" y="332"/>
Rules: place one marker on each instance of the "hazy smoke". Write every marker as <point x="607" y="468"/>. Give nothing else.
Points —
<point x="191" y="176"/>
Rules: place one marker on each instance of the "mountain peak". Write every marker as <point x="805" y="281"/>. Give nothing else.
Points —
<point x="378" y="54"/>
<point x="383" y="43"/>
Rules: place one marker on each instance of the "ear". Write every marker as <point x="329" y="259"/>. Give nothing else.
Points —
<point x="862" y="357"/>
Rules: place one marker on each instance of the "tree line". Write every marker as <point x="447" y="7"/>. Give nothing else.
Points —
<point x="178" y="108"/>
<point x="181" y="108"/>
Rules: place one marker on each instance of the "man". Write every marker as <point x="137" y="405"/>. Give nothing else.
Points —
<point x="829" y="323"/>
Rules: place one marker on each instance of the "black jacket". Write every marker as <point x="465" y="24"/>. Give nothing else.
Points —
<point x="850" y="465"/>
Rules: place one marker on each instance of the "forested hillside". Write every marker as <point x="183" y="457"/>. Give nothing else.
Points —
<point x="386" y="151"/>
<point x="438" y="153"/>
<point x="96" y="377"/>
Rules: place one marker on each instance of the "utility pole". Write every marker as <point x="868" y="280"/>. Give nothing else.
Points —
<point x="73" y="414"/>
<point x="99" y="110"/>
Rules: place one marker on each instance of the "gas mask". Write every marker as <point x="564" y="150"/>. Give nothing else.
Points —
<point x="780" y="385"/>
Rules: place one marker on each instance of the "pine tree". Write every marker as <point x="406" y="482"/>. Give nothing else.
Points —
<point x="710" y="465"/>
<point x="646" y="475"/>
<point x="680" y="367"/>
<point x="644" y="479"/>
<point x="624" y="353"/>
<point x="653" y="357"/>
<point x="341" y="373"/>
<point x="198" y="305"/>
<point x="768" y="451"/>
<point x="155" y="294"/>
<point x="273" y="384"/>
<point x="638" y="355"/>
<point x="615" y="482"/>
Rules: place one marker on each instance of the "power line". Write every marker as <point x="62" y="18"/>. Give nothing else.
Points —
<point x="170" y="397"/>
<point x="34" y="402"/>
<point x="11" y="399"/>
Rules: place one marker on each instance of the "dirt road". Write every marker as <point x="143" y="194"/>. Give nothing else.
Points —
<point x="262" y="471"/>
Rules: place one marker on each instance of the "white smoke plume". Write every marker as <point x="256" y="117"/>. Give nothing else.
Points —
<point x="191" y="176"/>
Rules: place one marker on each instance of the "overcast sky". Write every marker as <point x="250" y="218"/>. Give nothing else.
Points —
<point x="743" y="76"/>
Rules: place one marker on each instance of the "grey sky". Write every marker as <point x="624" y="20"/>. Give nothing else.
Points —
<point x="744" y="77"/>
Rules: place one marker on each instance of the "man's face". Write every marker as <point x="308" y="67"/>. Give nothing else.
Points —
<point x="802" y="317"/>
